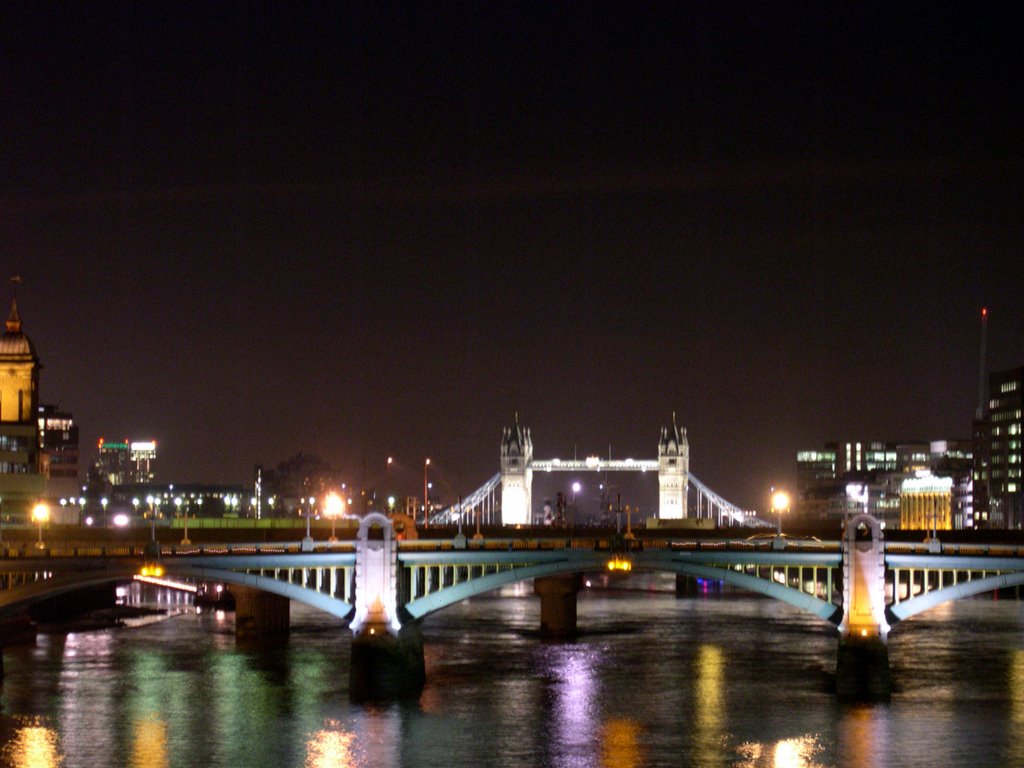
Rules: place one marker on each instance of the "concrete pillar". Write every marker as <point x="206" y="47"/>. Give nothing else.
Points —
<point x="557" y="604"/>
<point x="387" y="665"/>
<point x="259" y="613"/>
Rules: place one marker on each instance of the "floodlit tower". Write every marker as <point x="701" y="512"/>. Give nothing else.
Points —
<point x="21" y="482"/>
<point x="673" y="472"/>
<point x="516" y="475"/>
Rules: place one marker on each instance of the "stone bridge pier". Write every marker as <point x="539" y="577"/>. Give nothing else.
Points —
<point x="862" y="665"/>
<point x="260" y="614"/>
<point x="557" y="603"/>
<point x="387" y="654"/>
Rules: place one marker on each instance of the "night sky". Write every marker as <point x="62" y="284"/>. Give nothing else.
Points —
<point x="365" y="229"/>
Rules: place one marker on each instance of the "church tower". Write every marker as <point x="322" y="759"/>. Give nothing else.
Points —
<point x="673" y="472"/>
<point x="21" y="483"/>
<point x="516" y="475"/>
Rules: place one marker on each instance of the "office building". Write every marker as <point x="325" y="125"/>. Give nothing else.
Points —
<point x="999" y="492"/>
<point x="58" y="444"/>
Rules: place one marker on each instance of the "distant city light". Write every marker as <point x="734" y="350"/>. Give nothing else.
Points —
<point x="121" y="520"/>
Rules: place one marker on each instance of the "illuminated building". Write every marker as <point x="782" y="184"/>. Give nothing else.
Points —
<point x="58" y="443"/>
<point x="142" y="454"/>
<point x="954" y="459"/>
<point x="21" y="482"/>
<point x="113" y="461"/>
<point x="926" y="503"/>
<point x="126" y="462"/>
<point x="864" y="476"/>
<point x="58" y="438"/>
<point x="999" y="492"/>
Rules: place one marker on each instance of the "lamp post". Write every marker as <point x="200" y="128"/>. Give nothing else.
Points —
<point x="780" y="503"/>
<point x="152" y="517"/>
<point x="426" y="497"/>
<point x="177" y="504"/>
<point x="387" y="474"/>
<point x="307" y="543"/>
<point x="334" y="505"/>
<point x="103" y="503"/>
<point x="40" y="514"/>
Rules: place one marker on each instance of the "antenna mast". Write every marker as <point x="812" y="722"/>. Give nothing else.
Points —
<point x="982" y="400"/>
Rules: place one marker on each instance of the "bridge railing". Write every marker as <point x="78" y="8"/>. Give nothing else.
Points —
<point x="972" y="550"/>
<point x="27" y="550"/>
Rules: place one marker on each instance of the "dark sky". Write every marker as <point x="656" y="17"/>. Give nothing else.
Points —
<point x="372" y="228"/>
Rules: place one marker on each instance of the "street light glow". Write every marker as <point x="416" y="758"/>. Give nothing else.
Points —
<point x="334" y="505"/>
<point x="780" y="501"/>
<point x="40" y="513"/>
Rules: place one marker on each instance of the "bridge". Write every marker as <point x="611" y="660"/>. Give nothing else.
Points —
<point x="507" y="497"/>
<point x="385" y="587"/>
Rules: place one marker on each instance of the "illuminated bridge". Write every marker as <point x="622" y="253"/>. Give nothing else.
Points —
<point x="507" y="497"/>
<point x="385" y="587"/>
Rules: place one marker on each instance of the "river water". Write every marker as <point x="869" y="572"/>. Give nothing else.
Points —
<point x="721" y="680"/>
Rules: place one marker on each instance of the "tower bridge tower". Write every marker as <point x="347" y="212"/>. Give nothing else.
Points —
<point x="516" y="475"/>
<point x="517" y="467"/>
<point x="673" y="472"/>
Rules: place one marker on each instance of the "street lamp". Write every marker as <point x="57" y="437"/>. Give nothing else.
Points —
<point x="177" y="504"/>
<point x="387" y="474"/>
<point x="103" y="503"/>
<point x="40" y="514"/>
<point x="780" y="503"/>
<point x="426" y="498"/>
<point x="152" y="517"/>
<point x="334" y="505"/>
<point x="307" y="543"/>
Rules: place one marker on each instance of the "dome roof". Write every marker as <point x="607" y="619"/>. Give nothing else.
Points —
<point x="14" y="343"/>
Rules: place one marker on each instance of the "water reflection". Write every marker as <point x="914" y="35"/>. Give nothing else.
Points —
<point x="863" y="736"/>
<point x="1015" y="745"/>
<point x="709" y="702"/>
<point x="620" y="744"/>
<point x="695" y="684"/>
<point x="149" y="743"/>
<point x="799" y="752"/>
<point x="329" y="749"/>
<point x="33" y="746"/>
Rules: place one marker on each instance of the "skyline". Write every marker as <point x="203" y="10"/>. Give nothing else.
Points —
<point x="362" y="232"/>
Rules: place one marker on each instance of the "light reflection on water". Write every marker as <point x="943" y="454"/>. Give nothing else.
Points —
<point x="33" y="746"/>
<point x="716" y="683"/>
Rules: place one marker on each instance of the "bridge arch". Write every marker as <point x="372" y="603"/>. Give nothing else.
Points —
<point x="27" y="595"/>
<point x="924" y="602"/>
<point x="300" y="594"/>
<point x="436" y="601"/>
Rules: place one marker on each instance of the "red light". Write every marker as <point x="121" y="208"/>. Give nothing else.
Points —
<point x="984" y="311"/>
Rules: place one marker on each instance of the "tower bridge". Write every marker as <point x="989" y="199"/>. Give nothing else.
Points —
<point x="860" y="585"/>
<point x="507" y="497"/>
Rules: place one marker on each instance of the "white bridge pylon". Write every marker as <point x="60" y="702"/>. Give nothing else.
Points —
<point x="680" y="493"/>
